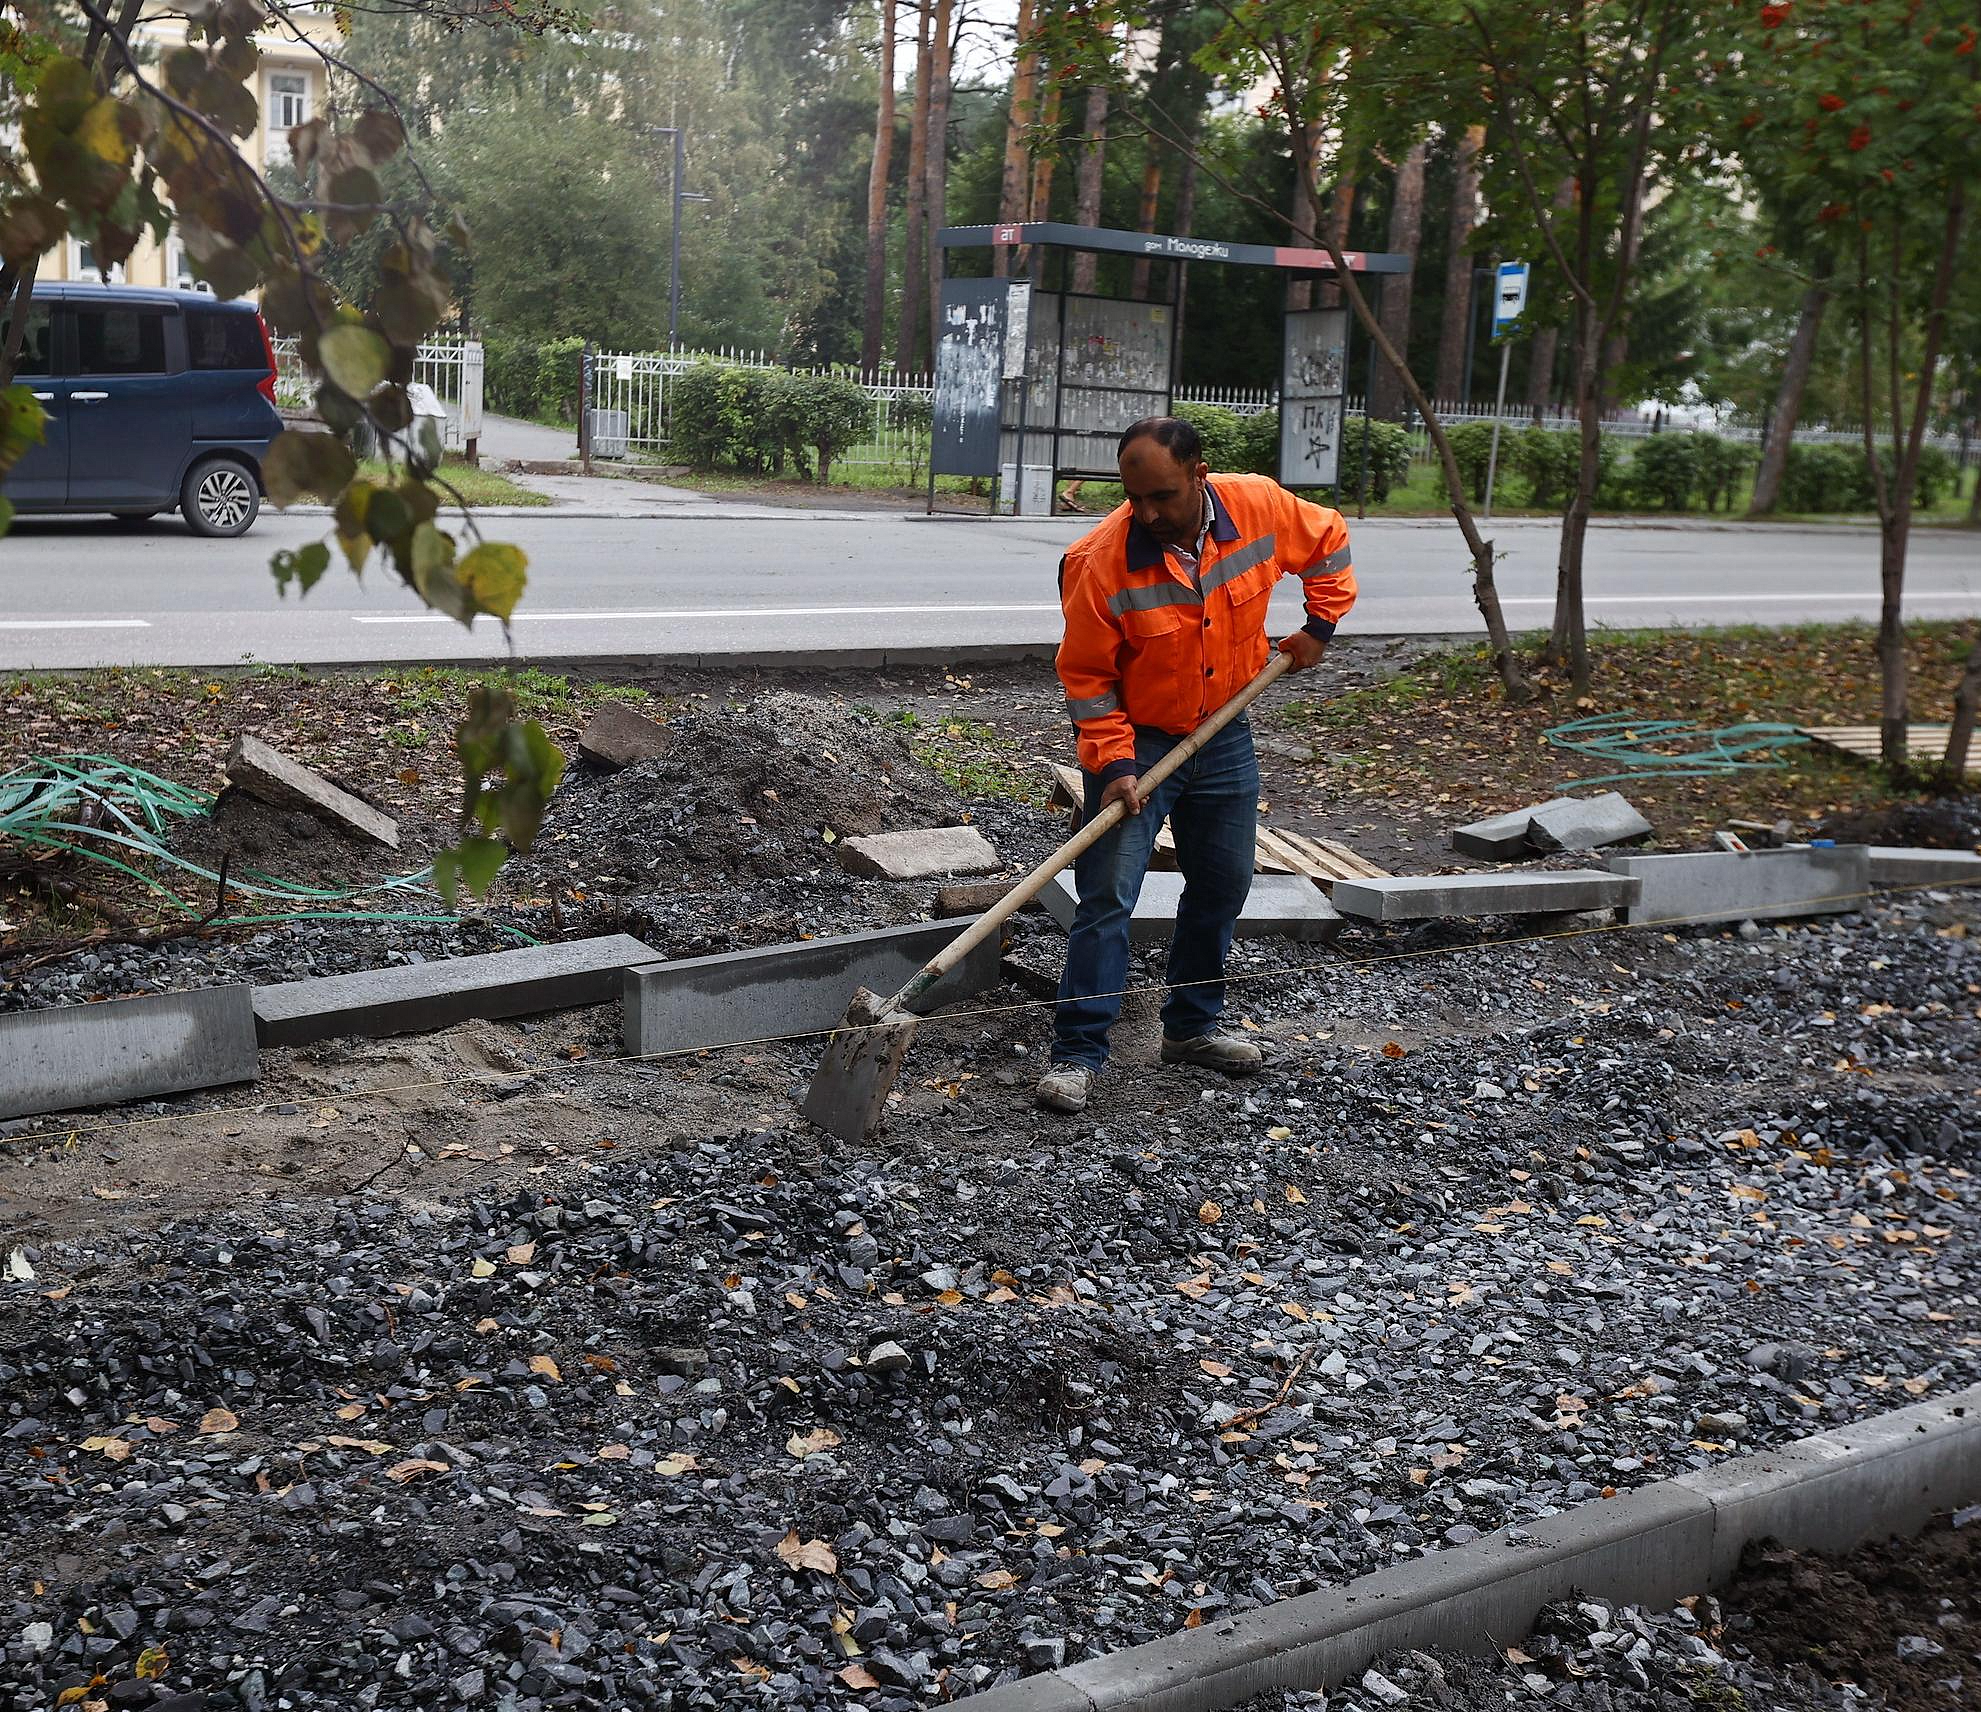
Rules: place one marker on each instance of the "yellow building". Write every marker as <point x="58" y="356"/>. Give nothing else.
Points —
<point x="289" y="88"/>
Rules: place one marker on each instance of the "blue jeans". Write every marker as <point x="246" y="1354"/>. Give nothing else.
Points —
<point x="1212" y="803"/>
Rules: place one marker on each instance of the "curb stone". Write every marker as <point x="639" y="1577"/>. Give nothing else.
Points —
<point x="1649" y="1546"/>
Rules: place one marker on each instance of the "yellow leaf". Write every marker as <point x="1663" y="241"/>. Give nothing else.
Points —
<point x="802" y="1445"/>
<point x="679" y="1463"/>
<point x="413" y="1467"/>
<point x="1295" y="1196"/>
<point x="614" y="1452"/>
<point x="152" y="1663"/>
<point x="1595" y="1219"/>
<point x="377" y="1447"/>
<point x="543" y="1365"/>
<point x="483" y="1269"/>
<point x="1209" y="1213"/>
<point x="217" y="1421"/>
<point x="807" y="1554"/>
<point x="996" y="1579"/>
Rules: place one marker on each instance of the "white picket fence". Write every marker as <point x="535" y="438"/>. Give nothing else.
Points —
<point x="451" y="366"/>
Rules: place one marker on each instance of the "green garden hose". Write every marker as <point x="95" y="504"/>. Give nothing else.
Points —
<point x="1671" y="748"/>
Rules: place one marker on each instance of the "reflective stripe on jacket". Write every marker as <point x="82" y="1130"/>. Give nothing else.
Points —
<point x="1146" y="644"/>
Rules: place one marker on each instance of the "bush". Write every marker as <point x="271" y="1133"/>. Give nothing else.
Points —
<point x="755" y="420"/>
<point x="1223" y="434"/>
<point x="834" y="415"/>
<point x="1938" y="473"/>
<point x="1825" y="478"/>
<point x="1258" y="443"/>
<point x="1389" y="458"/>
<point x="1549" y="460"/>
<point x="1472" y="446"/>
<point x="1721" y="465"/>
<point x="1664" y="470"/>
<point x="531" y="377"/>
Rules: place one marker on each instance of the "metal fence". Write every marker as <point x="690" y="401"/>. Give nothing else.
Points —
<point x="451" y="366"/>
<point x="632" y="404"/>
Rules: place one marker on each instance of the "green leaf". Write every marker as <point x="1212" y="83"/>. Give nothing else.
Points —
<point x="355" y="358"/>
<point x="301" y="463"/>
<point x="6" y="514"/>
<point x="386" y="516"/>
<point x="476" y="860"/>
<point x="493" y="575"/>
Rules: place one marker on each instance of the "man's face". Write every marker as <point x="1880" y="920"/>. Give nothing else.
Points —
<point x="1166" y="495"/>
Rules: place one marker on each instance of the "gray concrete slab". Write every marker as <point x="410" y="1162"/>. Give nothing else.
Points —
<point x="265" y="772"/>
<point x="416" y="997"/>
<point x="1502" y="837"/>
<point x="789" y="989"/>
<point x="1585" y="823"/>
<point x="1287" y="906"/>
<point x="1905" y="865"/>
<point x="1746" y="885"/>
<point x="921" y="854"/>
<point x="66" y="1057"/>
<point x="1430" y="897"/>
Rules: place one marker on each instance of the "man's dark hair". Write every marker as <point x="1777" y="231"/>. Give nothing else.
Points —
<point x="1172" y="433"/>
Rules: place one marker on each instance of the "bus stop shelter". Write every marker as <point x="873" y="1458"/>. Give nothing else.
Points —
<point x="1034" y="382"/>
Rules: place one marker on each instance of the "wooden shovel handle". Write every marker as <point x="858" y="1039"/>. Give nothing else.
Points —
<point x="1091" y="833"/>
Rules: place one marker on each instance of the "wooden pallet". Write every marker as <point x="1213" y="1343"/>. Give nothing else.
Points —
<point x="1864" y="742"/>
<point x="1322" y="860"/>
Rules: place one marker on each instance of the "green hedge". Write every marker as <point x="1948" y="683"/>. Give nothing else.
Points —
<point x="721" y="417"/>
<point x="535" y="378"/>
<point x="1673" y="471"/>
<point x="1250" y="444"/>
<point x="1835" y="478"/>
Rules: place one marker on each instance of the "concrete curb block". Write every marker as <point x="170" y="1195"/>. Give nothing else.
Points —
<point x="1650" y="1546"/>
<point x="60" y="1058"/>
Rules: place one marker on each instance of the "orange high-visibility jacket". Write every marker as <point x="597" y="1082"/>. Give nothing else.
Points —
<point x="1147" y="645"/>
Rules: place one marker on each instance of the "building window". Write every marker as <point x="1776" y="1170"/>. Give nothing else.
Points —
<point x="82" y="263"/>
<point x="179" y="273"/>
<point x="288" y="107"/>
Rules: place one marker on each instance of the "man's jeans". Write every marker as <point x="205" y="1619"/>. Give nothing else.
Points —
<point x="1212" y="802"/>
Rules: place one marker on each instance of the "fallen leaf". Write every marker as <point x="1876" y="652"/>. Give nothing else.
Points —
<point x="600" y="1519"/>
<point x="1279" y="1132"/>
<point x="679" y="1463"/>
<point x="802" y="1445"/>
<point x="413" y="1467"/>
<point x="217" y="1421"/>
<point x="1295" y="1196"/>
<point x="614" y="1452"/>
<point x="377" y="1447"/>
<point x="1209" y="1213"/>
<point x="858" y="1676"/>
<point x="1196" y="1287"/>
<point x="152" y="1663"/>
<point x="996" y="1579"/>
<point x="807" y="1554"/>
<point x="542" y="1364"/>
<point x="1594" y="1219"/>
<point x="116" y="1449"/>
<point x="520" y="1254"/>
<point x="1216" y="1369"/>
<point x="483" y="1269"/>
<point x="1392" y="1050"/>
<point x="351" y="1412"/>
<point x="1195" y="1620"/>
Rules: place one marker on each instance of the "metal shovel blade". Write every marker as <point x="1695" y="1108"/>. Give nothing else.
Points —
<point x="848" y="1093"/>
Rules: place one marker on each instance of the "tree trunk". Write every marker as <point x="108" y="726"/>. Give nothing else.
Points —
<point x="1788" y="399"/>
<point x="873" y="327"/>
<point x="1186" y="217"/>
<point x="1568" y="641"/>
<point x="1541" y="370"/>
<point x="1046" y="158"/>
<point x="1087" y="199"/>
<point x="1306" y="162"/>
<point x="1406" y="224"/>
<point x="941" y="47"/>
<point x="1015" y="186"/>
<point x="1960" y="733"/>
<point x="914" y="274"/>
<point x="1341" y="212"/>
<point x="1894" y="689"/>
<point x="1458" y="264"/>
<point x="1138" y="286"/>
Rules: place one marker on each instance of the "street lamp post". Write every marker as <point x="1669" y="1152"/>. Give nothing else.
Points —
<point x="680" y="137"/>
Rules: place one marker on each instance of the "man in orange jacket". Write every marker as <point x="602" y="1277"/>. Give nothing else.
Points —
<point x="1165" y="606"/>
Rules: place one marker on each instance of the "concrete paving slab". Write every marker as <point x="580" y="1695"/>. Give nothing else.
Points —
<point x="616" y="736"/>
<point x="1585" y="823"/>
<point x="1430" y="897"/>
<point x="921" y="854"/>
<point x="415" y="998"/>
<point x="1502" y="837"/>
<point x="1906" y="865"/>
<point x="66" y="1057"/>
<point x="263" y="771"/>
<point x="1746" y="885"/>
<point x="789" y="989"/>
<point x="1287" y="906"/>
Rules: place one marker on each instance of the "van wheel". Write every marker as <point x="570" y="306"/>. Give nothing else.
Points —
<point x="220" y="497"/>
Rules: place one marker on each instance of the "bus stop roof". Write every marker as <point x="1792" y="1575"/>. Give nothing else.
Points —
<point x="1165" y="246"/>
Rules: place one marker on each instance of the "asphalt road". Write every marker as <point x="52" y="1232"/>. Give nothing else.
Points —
<point x="79" y="592"/>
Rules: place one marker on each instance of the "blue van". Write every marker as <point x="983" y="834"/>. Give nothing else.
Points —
<point x="155" y="401"/>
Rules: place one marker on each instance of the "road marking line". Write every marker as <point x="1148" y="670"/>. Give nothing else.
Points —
<point x="709" y="612"/>
<point x="75" y="624"/>
<point x="1870" y="596"/>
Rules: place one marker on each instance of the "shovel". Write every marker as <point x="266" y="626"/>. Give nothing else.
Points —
<point x="848" y="1094"/>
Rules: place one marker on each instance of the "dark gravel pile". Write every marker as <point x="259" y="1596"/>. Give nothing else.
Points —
<point x="1940" y="823"/>
<point x="757" y="1419"/>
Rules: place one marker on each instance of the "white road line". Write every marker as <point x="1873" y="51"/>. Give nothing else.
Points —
<point x="75" y="624"/>
<point x="1869" y="597"/>
<point x="709" y="612"/>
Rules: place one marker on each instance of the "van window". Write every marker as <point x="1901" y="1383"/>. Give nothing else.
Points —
<point x="224" y="339"/>
<point x="120" y="341"/>
<point x="36" y="342"/>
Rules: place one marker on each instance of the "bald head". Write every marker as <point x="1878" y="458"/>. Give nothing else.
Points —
<point x="1163" y="474"/>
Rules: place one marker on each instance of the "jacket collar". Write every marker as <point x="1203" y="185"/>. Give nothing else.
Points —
<point x="1145" y="551"/>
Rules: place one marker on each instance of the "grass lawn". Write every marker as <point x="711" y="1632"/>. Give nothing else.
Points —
<point x="1440" y="737"/>
<point x="475" y="486"/>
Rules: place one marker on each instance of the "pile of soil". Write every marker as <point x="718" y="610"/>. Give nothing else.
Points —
<point x="290" y="844"/>
<point x="1934" y="823"/>
<point x="1901" y="1620"/>
<point x="760" y="789"/>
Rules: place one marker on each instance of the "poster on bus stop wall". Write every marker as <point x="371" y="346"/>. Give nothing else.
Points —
<point x="1312" y="388"/>
<point x="969" y="370"/>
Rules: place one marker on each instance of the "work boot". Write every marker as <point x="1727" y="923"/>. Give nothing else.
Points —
<point x="1065" y="1087"/>
<point x="1226" y="1052"/>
